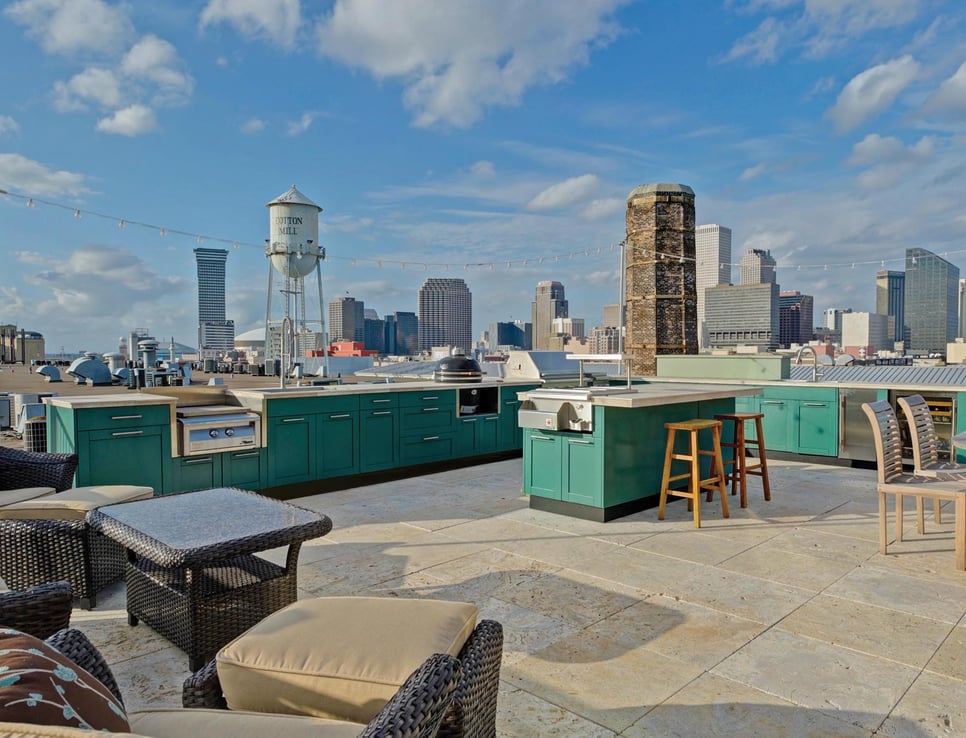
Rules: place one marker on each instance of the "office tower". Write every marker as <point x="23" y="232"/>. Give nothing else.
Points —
<point x="445" y="314"/>
<point x="507" y="336"/>
<point x="660" y="307"/>
<point x="743" y="315"/>
<point x="757" y="266"/>
<point x="604" y="339"/>
<point x="962" y="308"/>
<point x="549" y="303"/>
<point x="612" y="315"/>
<point x="215" y="334"/>
<point x="573" y="327"/>
<point x="833" y="318"/>
<point x="890" y="297"/>
<point x="794" y="318"/>
<point x="375" y="334"/>
<point x="712" y="247"/>
<point x="347" y="319"/>
<point x="931" y="304"/>
<point x="863" y="334"/>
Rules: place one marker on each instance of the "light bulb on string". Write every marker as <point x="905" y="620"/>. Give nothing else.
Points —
<point x="30" y="202"/>
<point x="77" y="214"/>
<point x="235" y="244"/>
<point x="164" y="232"/>
<point x="121" y="223"/>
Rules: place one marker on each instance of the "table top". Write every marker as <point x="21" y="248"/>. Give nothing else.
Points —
<point x="199" y="527"/>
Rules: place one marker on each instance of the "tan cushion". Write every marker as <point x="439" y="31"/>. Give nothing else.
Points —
<point x="29" y="730"/>
<point x="38" y="684"/>
<point x="9" y="496"/>
<point x="200" y="723"/>
<point x="74" y="503"/>
<point x="338" y="657"/>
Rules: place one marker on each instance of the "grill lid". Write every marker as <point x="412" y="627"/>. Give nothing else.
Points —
<point x="458" y="368"/>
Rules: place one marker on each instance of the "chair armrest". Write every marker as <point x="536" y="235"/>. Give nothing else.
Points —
<point x="473" y="708"/>
<point x="203" y="689"/>
<point x="76" y="646"/>
<point x="40" y="611"/>
<point x="19" y="468"/>
<point x="417" y="708"/>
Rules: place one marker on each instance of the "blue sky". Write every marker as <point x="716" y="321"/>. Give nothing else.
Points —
<point x="458" y="136"/>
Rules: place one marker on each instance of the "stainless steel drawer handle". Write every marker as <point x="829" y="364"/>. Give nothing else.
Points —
<point x="430" y="397"/>
<point x="293" y="420"/>
<point x="376" y="402"/>
<point x="245" y="455"/>
<point x="469" y="420"/>
<point x="127" y="433"/>
<point x="541" y="438"/>
<point x="491" y="419"/>
<point x="430" y="409"/>
<point x="204" y="460"/>
<point x="383" y="412"/>
<point x="815" y="404"/>
<point x="126" y="417"/>
<point x="771" y="402"/>
<point x="583" y="443"/>
<point x="430" y="438"/>
<point x="344" y="415"/>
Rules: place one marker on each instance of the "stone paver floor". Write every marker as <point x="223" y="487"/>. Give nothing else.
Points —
<point x="783" y="620"/>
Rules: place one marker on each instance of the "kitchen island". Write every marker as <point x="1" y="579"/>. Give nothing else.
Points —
<point x="603" y="457"/>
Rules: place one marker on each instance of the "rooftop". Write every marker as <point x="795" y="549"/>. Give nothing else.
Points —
<point x="782" y="620"/>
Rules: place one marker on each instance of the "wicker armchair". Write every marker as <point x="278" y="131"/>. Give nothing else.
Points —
<point x="472" y="709"/>
<point x="34" y="551"/>
<point x="40" y="611"/>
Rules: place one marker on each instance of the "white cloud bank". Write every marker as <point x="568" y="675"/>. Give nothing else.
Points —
<point x="872" y="92"/>
<point x="20" y="173"/>
<point x="564" y="194"/>
<point x="130" y="121"/>
<point x="71" y="26"/>
<point x="275" y="20"/>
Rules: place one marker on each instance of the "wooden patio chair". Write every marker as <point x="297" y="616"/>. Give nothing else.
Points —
<point x="893" y="480"/>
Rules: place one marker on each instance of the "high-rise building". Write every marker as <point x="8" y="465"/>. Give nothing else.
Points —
<point x="375" y="333"/>
<point x="863" y="334"/>
<point x="549" y="303"/>
<point x="661" y="310"/>
<point x="215" y="334"/>
<point x="712" y="247"/>
<point x="743" y="315"/>
<point x="604" y="339"/>
<point x="932" y="302"/>
<point x="445" y="314"/>
<point x="794" y="318"/>
<point x="573" y="327"/>
<point x="833" y="318"/>
<point x="508" y="336"/>
<point x="757" y="266"/>
<point x="347" y="320"/>
<point x="890" y="298"/>
<point x="962" y="308"/>
<point x="612" y="315"/>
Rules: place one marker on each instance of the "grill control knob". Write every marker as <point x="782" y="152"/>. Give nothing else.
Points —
<point x="229" y="432"/>
<point x="213" y="433"/>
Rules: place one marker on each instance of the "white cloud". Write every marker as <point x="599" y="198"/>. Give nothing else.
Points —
<point x="950" y="97"/>
<point x="872" y="92"/>
<point x="483" y="169"/>
<point x="605" y="208"/>
<point x="94" y="85"/>
<point x="888" y="159"/>
<point x="276" y="20"/>
<point x="566" y="193"/>
<point x="8" y="125"/>
<point x="19" y="173"/>
<point x="69" y="26"/>
<point x="252" y="125"/>
<point x="459" y="57"/>
<point x="761" y="45"/>
<point x="302" y="124"/>
<point x="155" y="60"/>
<point x="130" y="121"/>
<point x="751" y="172"/>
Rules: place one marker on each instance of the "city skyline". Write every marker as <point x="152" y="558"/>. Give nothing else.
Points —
<point x="496" y="141"/>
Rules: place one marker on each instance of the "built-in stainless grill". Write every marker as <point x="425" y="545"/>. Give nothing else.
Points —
<point x="208" y="429"/>
<point x="562" y="409"/>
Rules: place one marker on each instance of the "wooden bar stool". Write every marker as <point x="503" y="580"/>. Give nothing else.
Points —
<point x="740" y="468"/>
<point x="695" y="483"/>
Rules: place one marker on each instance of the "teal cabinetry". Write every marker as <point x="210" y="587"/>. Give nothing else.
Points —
<point x="542" y="458"/>
<point x="242" y="469"/>
<point x="511" y="434"/>
<point x="291" y="440"/>
<point x="338" y="444"/>
<point x="427" y="430"/>
<point x="477" y="435"/>
<point x="583" y="458"/>
<point x="115" y="445"/>
<point x="801" y="420"/>
<point x="197" y="472"/>
<point x="378" y="431"/>
<point x="320" y="441"/>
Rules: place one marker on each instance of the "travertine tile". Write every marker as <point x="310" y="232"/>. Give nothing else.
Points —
<point x="950" y="659"/>
<point x="787" y="567"/>
<point x="643" y="570"/>
<point x="720" y="708"/>
<point x="902" y="592"/>
<point x="848" y="685"/>
<point x="934" y="706"/>
<point x="522" y="715"/>
<point x="824" y="545"/>
<point x="525" y="632"/>
<point x="693" y="545"/>
<point x="746" y="596"/>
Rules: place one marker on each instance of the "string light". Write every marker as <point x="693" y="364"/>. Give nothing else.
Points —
<point x="30" y="202"/>
<point x="120" y="223"/>
<point x="164" y="232"/>
<point x="77" y="214"/>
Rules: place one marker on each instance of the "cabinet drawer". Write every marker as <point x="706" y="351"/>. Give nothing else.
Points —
<point x="378" y="401"/>
<point x="104" y="418"/>
<point x="428" y="398"/>
<point x="436" y="418"/>
<point x="312" y="405"/>
<point x="429" y="447"/>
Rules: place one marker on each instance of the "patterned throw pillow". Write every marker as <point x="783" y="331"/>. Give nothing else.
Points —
<point x="39" y="685"/>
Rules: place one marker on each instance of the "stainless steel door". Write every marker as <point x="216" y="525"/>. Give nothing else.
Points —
<point x="856" y="440"/>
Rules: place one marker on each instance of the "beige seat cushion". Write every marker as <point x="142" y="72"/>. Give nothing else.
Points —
<point x="74" y="503"/>
<point x="338" y="657"/>
<point x="10" y="496"/>
<point x="179" y="723"/>
<point x="30" y="730"/>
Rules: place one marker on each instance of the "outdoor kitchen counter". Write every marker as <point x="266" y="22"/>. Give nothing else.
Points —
<point x="129" y="399"/>
<point x="668" y="393"/>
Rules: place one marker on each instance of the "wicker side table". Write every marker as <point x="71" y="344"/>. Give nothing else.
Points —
<point x="192" y="573"/>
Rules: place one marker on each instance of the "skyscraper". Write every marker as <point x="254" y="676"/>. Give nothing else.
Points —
<point x="757" y="266"/>
<point x="890" y="297"/>
<point x="347" y="319"/>
<point x="794" y="318"/>
<point x="549" y="303"/>
<point x="743" y="315"/>
<point x="931" y="304"/>
<point x="661" y="308"/>
<point x="215" y="334"/>
<point x="445" y="314"/>
<point x="712" y="248"/>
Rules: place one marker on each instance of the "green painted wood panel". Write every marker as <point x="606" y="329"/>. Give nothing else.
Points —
<point x="424" y="398"/>
<point x="100" y="418"/>
<point x="291" y="441"/>
<point x="817" y="428"/>
<point x="141" y="457"/>
<point x="198" y="472"/>
<point x="243" y="469"/>
<point x="338" y="449"/>
<point x="542" y="460"/>
<point x="378" y="439"/>
<point x="583" y="476"/>
<point x="422" y="448"/>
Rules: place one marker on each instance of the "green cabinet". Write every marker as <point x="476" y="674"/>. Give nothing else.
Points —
<point x="291" y="441"/>
<point x="197" y="472"/>
<point x="583" y="460"/>
<point x="542" y="459"/>
<point x="378" y="439"/>
<point x="477" y="435"/>
<point x="427" y="430"/>
<point x="242" y="469"/>
<point x="801" y="420"/>
<point x="338" y="446"/>
<point x="511" y="434"/>
<point x="777" y="425"/>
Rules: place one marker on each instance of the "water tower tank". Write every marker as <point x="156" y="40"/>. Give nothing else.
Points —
<point x="293" y="244"/>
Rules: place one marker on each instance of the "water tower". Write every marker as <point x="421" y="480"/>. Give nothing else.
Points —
<point x="294" y="251"/>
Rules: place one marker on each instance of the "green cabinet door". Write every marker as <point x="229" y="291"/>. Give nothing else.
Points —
<point x="290" y="443"/>
<point x="467" y="434"/>
<point x="141" y="457"/>
<point x="817" y="428"/>
<point x="542" y="461"/>
<point x="243" y="469"/>
<point x="337" y="449"/>
<point x="378" y="439"/>
<point x="488" y="437"/>
<point x="777" y="425"/>
<point x="198" y="472"/>
<point x="583" y="477"/>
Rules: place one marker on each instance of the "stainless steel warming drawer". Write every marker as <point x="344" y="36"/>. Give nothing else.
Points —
<point x="212" y="428"/>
